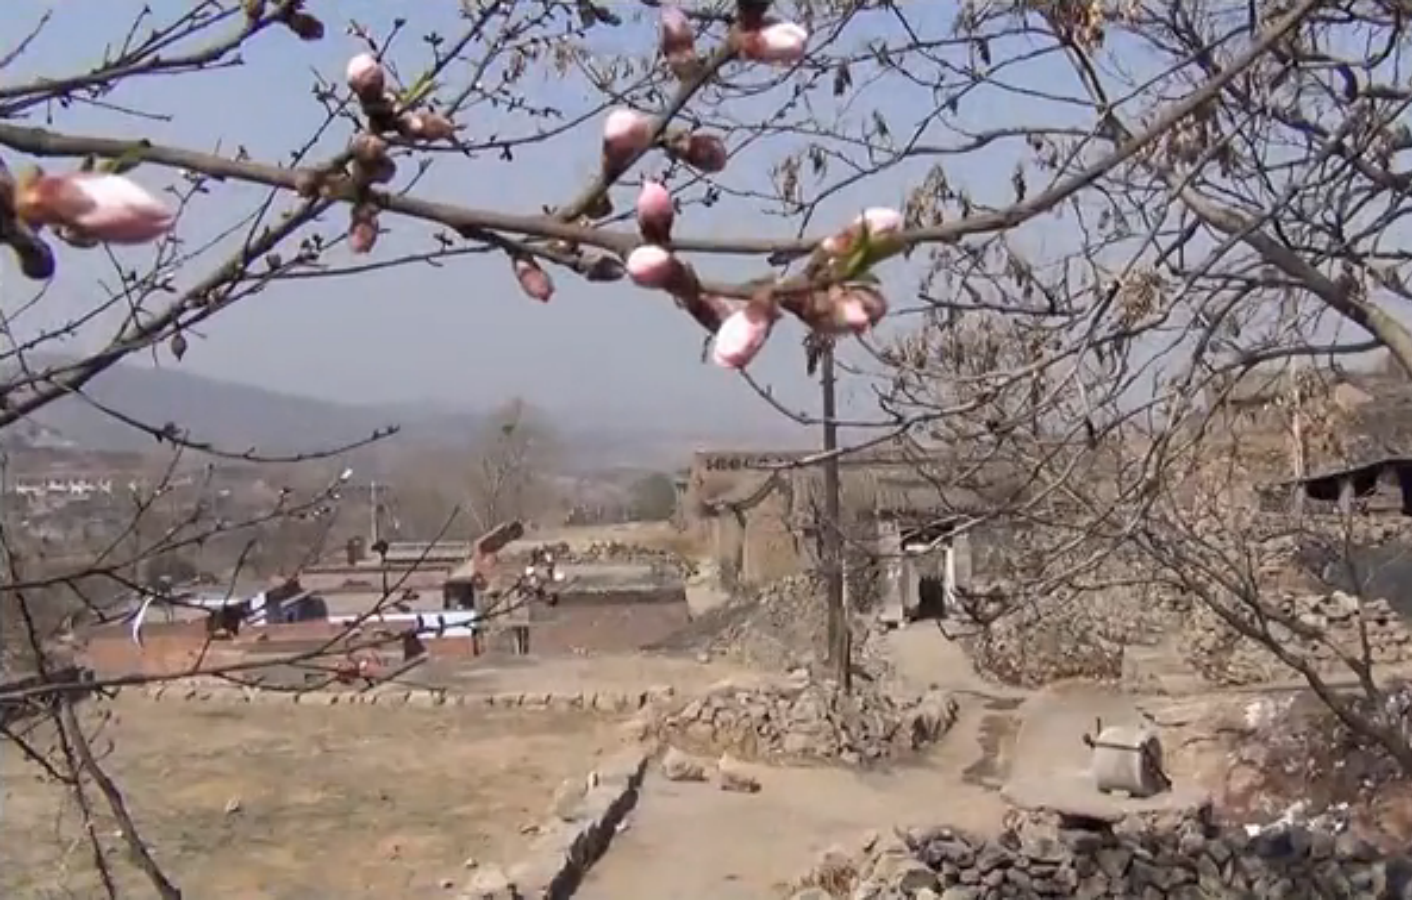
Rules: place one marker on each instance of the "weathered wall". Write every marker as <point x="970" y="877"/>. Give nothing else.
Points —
<point x="1222" y="655"/>
<point x="1188" y="859"/>
<point x="608" y="623"/>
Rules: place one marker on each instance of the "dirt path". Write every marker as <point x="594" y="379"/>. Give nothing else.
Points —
<point x="692" y="841"/>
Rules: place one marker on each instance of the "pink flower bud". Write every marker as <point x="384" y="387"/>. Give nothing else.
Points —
<point x="362" y="235"/>
<point x="625" y="134"/>
<point x="109" y="208"/>
<point x="741" y="336"/>
<point x="305" y="26"/>
<point x="678" y="43"/>
<point x="655" y="212"/>
<point x="703" y="152"/>
<point x="426" y="126"/>
<point x="651" y="266"/>
<point x="365" y="76"/>
<point x="677" y="35"/>
<point x="367" y="148"/>
<point x="779" y="43"/>
<point x="881" y="223"/>
<point x="852" y="308"/>
<point x="534" y="281"/>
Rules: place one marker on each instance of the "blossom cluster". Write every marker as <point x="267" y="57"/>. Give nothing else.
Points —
<point x="837" y="297"/>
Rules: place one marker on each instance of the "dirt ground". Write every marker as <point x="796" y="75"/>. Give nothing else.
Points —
<point x="689" y="841"/>
<point x="300" y="803"/>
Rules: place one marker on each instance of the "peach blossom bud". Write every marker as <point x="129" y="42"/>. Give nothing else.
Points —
<point x="651" y="266"/>
<point x="677" y="35"/>
<point x="366" y="77"/>
<point x="655" y="212"/>
<point x="625" y="134"/>
<point x="741" y="336"/>
<point x="678" y="43"/>
<point x="778" y="43"/>
<point x="305" y="26"/>
<point x="703" y="152"/>
<point x="367" y="148"/>
<point x="426" y="126"/>
<point x="362" y="235"/>
<point x="881" y="221"/>
<point x="109" y="208"/>
<point x="853" y="308"/>
<point x="534" y="281"/>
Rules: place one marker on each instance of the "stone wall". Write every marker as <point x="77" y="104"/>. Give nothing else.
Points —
<point x="1151" y="861"/>
<point x="1222" y="655"/>
<point x="1082" y="635"/>
<point x="799" y="719"/>
<point x="205" y="689"/>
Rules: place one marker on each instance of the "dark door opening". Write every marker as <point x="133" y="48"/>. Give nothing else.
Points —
<point x="931" y="598"/>
<point x="931" y="563"/>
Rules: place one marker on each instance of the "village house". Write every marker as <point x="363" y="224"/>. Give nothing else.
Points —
<point x="916" y="529"/>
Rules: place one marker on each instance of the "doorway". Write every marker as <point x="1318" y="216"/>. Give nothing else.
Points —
<point x="929" y="564"/>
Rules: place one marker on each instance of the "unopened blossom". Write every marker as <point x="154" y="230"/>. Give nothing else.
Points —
<point x="109" y="208"/>
<point x="362" y="236"/>
<point x="625" y="134"/>
<point x="678" y="43"/>
<point x="881" y="224"/>
<point x="362" y="228"/>
<point x="534" y="281"/>
<point x="305" y="26"/>
<point x="655" y="212"/>
<point x="366" y="76"/>
<point x="780" y="43"/>
<point x="852" y="309"/>
<point x="427" y="126"/>
<point x="676" y="33"/>
<point x="703" y="152"/>
<point x="651" y="266"/>
<point x="742" y="335"/>
<point x="367" y="148"/>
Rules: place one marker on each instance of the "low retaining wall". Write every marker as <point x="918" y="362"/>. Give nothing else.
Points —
<point x="1190" y="859"/>
<point x="572" y="840"/>
<point x="204" y="691"/>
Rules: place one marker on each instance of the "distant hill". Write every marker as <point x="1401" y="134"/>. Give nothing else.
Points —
<point x="233" y="416"/>
<point x="238" y="417"/>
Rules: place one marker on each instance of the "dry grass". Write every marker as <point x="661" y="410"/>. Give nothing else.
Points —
<point x="342" y="802"/>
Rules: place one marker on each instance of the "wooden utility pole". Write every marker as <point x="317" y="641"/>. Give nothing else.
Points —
<point x="839" y="637"/>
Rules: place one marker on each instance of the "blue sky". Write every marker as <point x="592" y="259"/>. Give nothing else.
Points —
<point x="461" y="335"/>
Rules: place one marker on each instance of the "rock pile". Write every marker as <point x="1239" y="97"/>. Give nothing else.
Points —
<point x="1222" y="655"/>
<point x="779" y="626"/>
<point x="800" y="719"/>
<point x="1300" y="761"/>
<point x="1185" y="859"/>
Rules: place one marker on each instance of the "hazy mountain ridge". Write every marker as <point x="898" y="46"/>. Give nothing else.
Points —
<point x="238" y="417"/>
